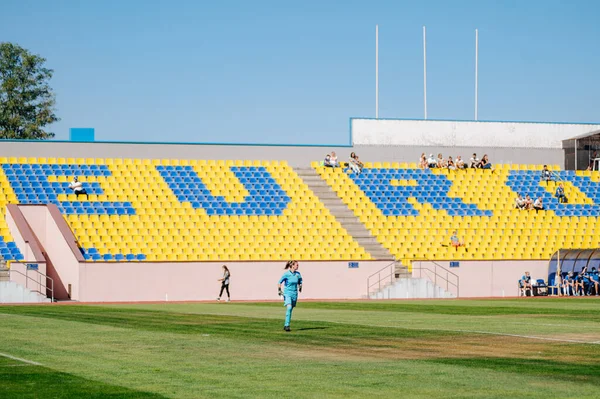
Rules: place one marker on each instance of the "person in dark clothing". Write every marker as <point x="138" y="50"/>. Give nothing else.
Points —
<point x="224" y="283"/>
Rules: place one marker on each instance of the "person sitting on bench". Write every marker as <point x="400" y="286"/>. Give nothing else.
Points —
<point x="456" y="242"/>
<point x="525" y="284"/>
<point x="547" y="175"/>
<point x="77" y="188"/>
<point x="560" y="194"/>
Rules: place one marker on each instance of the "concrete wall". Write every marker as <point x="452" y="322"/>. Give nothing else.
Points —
<point x="105" y="282"/>
<point x="465" y="134"/>
<point x="294" y="155"/>
<point x="18" y="238"/>
<point x="488" y="278"/>
<point x="65" y="263"/>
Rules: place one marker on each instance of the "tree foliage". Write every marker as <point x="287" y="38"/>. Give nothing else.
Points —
<point x="26" y="99"/>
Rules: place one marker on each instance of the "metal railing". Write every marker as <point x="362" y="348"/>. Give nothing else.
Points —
<point x="438" y="275"/>
<point x="377" y="280"/>
<point x="41" y="281"/>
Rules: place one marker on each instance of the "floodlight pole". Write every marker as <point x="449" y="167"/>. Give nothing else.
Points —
<point x="476" y="72"/>
<point x="425" y="72"/>
<point x="376" y="71"/>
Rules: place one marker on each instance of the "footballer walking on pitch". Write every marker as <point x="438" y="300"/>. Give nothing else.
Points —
<point x="292" y="284"/>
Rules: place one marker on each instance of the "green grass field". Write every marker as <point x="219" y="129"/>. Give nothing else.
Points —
<point x="449" y="348"/>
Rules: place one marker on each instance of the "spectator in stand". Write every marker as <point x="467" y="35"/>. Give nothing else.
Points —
<point x="441" y="162"/>
<point x="334" y="159"/>
<point x="525" y="284"/>
<point x="474" y="161"/>
<point x="423" y="162"/>
<point x="547" y="175"/>
<point x="538" y="205"/>
<point x="560" y="194"/>
<point x="331" y="160"/>
<point x="485" y="163"/>
<point x="528" y="202"/>
<point x="456" y="242"/>
<point x="355" y="163"/>
<point x="520" y="202"/>
<point x="77" y="188"/>
<point x="450" y="164"/>
<point x="431" y="162"/>
<point x="460" y="164"/>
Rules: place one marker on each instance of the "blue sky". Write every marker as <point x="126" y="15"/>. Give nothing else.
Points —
<point x="295" y="72"/>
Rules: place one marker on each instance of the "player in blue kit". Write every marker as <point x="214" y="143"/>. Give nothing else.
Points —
<point x="292" y="284"/>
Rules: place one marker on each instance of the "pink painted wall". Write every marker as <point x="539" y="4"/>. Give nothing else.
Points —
<point x="59" y="252"/>
<point x="490" y="278"/>
<point x="18" y="237"/>
<point x="106" y="282"/>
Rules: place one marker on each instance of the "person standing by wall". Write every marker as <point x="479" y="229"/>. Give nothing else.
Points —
<point x="224" y="283"/>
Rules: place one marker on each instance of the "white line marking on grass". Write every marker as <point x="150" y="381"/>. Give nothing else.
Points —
<point x="30" y="362"/>
<point x="572" y="341"/>
<point x="17" y="365"/>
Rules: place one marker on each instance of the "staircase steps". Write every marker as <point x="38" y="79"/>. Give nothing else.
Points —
<point x="343" y="214"/>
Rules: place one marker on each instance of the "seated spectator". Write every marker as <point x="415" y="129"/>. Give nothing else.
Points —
<point x="525" y="284"/>
<point x="528" y="202"/>
<point x="334" y="158"/>
<point x="538" y="205"/>
<point x="547" y="175"/>
<point x="331" y="160"/>
<point x="485" y="163"/>
<point x="560" y="194"/>
<point x="460" y="163"/>
<point x="450" y="164"/>
<point x="423" y="164"/>
<point x="520" y="202"/>
<point x="431" y="162"/>
<point x="595" y="280"/>
<point x="456" y="242"/>
<point x="586" y="280"/>
<point x="578" y="284"/>
<point x="567" y="284"/>
<point x="474" y="161"/>
<point x="355" y="164"/>
<point x="77" y="188"/>
<point x="441" y="162"/>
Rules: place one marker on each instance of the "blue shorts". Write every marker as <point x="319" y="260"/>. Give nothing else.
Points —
<point x="290" y="300"/>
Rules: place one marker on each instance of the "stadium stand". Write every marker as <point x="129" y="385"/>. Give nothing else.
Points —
<point x="179" y="210"/>
<point x="183" y="210"/>
<point x="413" y="212"/>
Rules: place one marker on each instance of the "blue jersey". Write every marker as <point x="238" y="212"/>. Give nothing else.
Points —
<point x="291" y="281"/>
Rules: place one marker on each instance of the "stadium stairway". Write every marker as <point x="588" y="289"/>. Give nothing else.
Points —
<point x="342" y="214"/>
<point x="411" y="288"/>
<point x="12" y="292"/>
<point x="4" y="274"/>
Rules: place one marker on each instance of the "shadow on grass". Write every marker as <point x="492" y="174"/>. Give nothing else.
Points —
<point x="311" y="328"/>
<point x="582" y="372"/>
<point x="22" y="381"/>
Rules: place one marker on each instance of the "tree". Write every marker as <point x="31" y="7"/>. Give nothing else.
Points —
<point x="26" y="99"/>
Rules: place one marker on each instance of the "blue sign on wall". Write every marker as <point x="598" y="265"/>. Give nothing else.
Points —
<point x="352" y="265"/>
<point x="454" y="264"/>
<point x="32" y="266"/>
